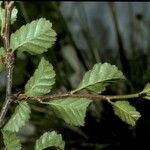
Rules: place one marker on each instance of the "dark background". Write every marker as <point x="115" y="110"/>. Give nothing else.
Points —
<point x="87" y="33"/>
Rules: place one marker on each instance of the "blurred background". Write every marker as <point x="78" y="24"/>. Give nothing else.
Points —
<point x="88" y="33"/>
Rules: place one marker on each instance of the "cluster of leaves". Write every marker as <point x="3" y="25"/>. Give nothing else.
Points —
<point x="35" y="38"/>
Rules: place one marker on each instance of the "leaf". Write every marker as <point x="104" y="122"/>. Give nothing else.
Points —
<point x="98" y="88"/>
<point x="42" y="80"/>
<point x="126" y="112"/>
<point x="14" y="15"/>
<point x="2" y="55"/>
<point x="71" y="110"/>
<point x="1" y="16"/>
<point x="35" y="37"/>
<point x="2" y="52"/>
<point x="146" y="91"/>
<point x="99" y="76"/>
<point x="19" y="118"/>
<point x="11" y="141"/>
<point x="50" y="139"/>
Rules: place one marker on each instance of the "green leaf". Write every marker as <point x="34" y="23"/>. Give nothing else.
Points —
<point x="98" y="88"/>
<point x="71" y="110"/>
<point x="42" y="80"/>
<point x="2" y="54"/>
<point x="99" y="76"/>
<point x="14" y="15"/>
<point x="126" y="112"/>
<point x="146" y="91"/>
<point x="35" y="37"/>
<point x="19" y="118"/>
<point x="11" y="141"/>
<point x="1" y="15"/>
<point x="50" y="139"/>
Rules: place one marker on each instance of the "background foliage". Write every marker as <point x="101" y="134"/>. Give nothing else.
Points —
<point x="103" y="130"/>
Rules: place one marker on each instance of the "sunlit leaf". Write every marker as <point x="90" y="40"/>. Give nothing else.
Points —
<point x="11" y="141"/>
<point x="35" y="37"/>
<point x="1" y="15"/>
<point x="98" y="88"/>
<point x="14" y="15"/>
<point x="146" y="91"/>
<point x="99" y="76"/>
<point x="50" y="139"/>
<point x="42" y="80"/>
<point x="126" y="112"/>
<point x="71" y="110"/>
<point x="19" y="118"/>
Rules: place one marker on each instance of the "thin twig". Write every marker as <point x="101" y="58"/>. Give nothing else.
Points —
<point x="9" y="61"/>
<point x="79" y="95"/>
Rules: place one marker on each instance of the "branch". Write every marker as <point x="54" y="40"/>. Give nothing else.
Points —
<point x="9" y="61"/>
<point x="85" y="95"/>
